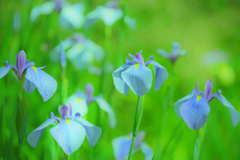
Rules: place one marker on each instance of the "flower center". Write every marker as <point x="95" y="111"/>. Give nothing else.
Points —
<point x="79" y="100"/>
<point x="34" y="68"/>
<point x="68" y="120"/>
<point x="199" y="97"/>
<point x="137" y="65"/>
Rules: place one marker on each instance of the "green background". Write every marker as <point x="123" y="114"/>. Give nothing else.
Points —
<point x="199" y="26"/>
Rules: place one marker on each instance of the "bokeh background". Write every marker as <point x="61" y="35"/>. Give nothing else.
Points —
<point x="206" y="29"/>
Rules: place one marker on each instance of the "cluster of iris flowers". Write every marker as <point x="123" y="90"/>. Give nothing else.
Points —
<point x="70" y="130"/>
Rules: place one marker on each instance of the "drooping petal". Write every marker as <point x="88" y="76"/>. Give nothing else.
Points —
<point x="28" y="86"/>
<point x="69" y="135"/>
<point x="72" y="14"/>
<point x="44" y="9"/>
<point x="121" y="147"/>
<point x="4" y="70"/>
<point x="208" y="89"/>
<point x="93" y="132"/>
<point x="179" y="102"/>
<point x="139" y="78"/>
<point x="147" y="151"/>
<point x="45" y="84"/>
<point x="110" y="15"/>
<point x="20" y="60"/>
<point x="235" y="115"/>
<point x="92" y="18"/>
<point x="161" y="74"/>
<point x="163" y="53"/>
<point x="78" y="104"/>
<point x="106" y="107"/>
<point x="195" y="111"/>
<point x="119" y="83"/>
<point x="35" y="135"/>
<point x="131" y="22"/>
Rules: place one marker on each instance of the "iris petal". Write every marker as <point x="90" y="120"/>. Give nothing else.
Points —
<point x="147" y="151"/>
<point x="28" y="86"/>
<point x="93" y="132"/>
<point x="78" y="104"/>
<point x="106" y="107"/>
<point x="72" y="14"/>
<point x="161" y="74"/>
<point x="208" y="89"/>
<point x="35" y="135"/>
<point x="44" y="9"/>
<point x="121" y="147"/>
<point x="235" y="116"/>
<point x="92" y="18"/>
<point x="69" y="135"/>
<point x="139" y="78"/>
<point x="195" y="111"/>
<point x="119" y="83"/>
<point x="177" y="105"/>
<point x="4" y="70"/>
<point x="45" y="84"/>
<point x="109" y="15"/>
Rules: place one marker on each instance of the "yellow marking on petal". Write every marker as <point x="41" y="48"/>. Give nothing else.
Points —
<point x="129" y="137"/>
<point x="199" y="97"/>
<point x="79" y="46"/>
<point x="79" y="100"/>
<point x="137" y="65"/>
<point x="3" y="67"/>
<point x="68" y="120"/>
<point x="35" y="69"/>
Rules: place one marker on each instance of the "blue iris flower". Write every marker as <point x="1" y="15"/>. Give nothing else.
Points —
<point x="109" y="14"/>
<point x="80" y="101"/>
<point x="69" y="132"/>
<point x="79" y="50"/>
<point x="176" y="52"/>
<point x="70" y="14"/>
<point x="121" y="147"/>
<point x="194" y="108"/>
<point x="34" y="77"/>
<point x="137" y="76"/>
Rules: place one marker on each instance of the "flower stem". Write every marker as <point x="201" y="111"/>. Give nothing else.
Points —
<point x="196" y="151"/>
<point x="138" y="117"/>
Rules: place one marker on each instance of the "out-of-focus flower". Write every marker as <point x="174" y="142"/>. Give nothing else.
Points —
<point x="194" y="108"/>
<point x="69" y="14"/>
<point x="70" y="131"/>
<point x="109" y="14"/>
<point x="176" y="52"/>
<point x="34" y="77"/>
<point x="79" y="50"/>
<point x="80" y="101"/>
<point x="137" y="76"/>
<point x="121" y="146"/>
<point x="17" y="21"/>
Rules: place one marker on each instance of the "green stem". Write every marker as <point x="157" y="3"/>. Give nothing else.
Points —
<point x="138" y="117"/>
<point x="196" y="151"/>
<point x="64" y="86"/>
<point x="18" y="150"/>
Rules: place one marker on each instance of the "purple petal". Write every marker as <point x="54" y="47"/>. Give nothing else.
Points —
<point x="20" y="60"/>
<point x="140" y="57"/>
<point x="208" y="89"/>
<point x="64" y="111"/>
<point x="89" y="90"/>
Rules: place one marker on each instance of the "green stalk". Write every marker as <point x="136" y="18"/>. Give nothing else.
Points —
<point x="138" y="117"/>
<point x="64" y="86"/>
<point x="196" y="151"/>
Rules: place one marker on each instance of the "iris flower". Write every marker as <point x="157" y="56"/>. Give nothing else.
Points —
<point x="80" y="101"/>
<point x="176" y="52"/>
<point x="109" y="14"/>
<point x="70" y="14"/>
<point x="79" y="50"/>
<point x="34" y="77"/>
<point x="194" y="108"/>
<point x="137" y="76"/>
<point x="121" y="147"/>
<point x="69" y="132"/>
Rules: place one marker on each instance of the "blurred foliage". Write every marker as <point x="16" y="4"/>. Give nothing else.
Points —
<point x="199" y="26"/>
